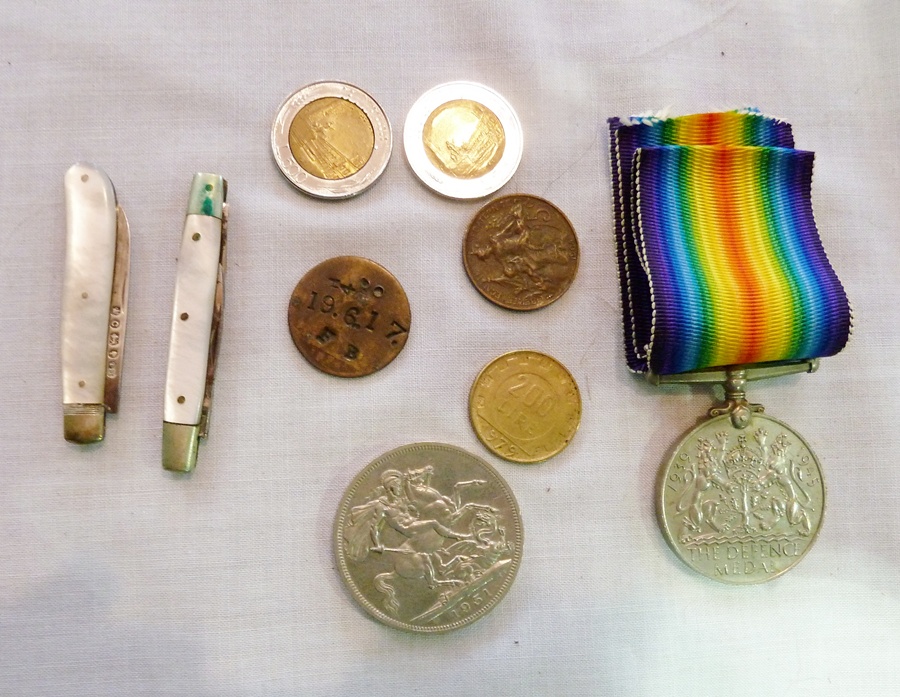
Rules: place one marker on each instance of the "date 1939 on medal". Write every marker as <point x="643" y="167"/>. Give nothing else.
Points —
<point x="349" y="316"/>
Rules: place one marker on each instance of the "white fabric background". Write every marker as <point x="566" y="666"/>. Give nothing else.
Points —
<point x="117" y="578"/>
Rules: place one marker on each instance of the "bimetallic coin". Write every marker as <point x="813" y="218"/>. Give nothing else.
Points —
<point x="521" y="252"/>
<point x="525" y="406"/>
<point x="331" y="140"/>
<point x="463" y="140"/>
<point x="741" y="505"/>
<point x="428" y="538"/>
<point x="349" y="316"/>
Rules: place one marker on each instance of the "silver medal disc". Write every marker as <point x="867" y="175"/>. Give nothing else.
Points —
<point x="741" y="505"/>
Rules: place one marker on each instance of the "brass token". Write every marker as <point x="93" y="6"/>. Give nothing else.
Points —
<point x="349" y="316"/>
<point x="428" y="538"/>
<point x="521" y="252"/>
<point x="525" y="406"/>
<point x="741" y="503"/>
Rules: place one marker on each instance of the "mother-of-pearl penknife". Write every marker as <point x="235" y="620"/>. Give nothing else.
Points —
<point x="197" y="312"/>
<point x="95" y="293"/>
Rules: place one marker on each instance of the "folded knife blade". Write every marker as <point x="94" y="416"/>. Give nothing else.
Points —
<point x="196" y="317"/>
<point x="94" y="307"/>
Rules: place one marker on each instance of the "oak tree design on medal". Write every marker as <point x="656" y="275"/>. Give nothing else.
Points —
<point x="431" y="538"/>
<point x="733" y="492"/>
<point x="521" y="252"/>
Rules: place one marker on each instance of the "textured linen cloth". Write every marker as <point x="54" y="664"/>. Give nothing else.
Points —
<point x="117" y="578"/>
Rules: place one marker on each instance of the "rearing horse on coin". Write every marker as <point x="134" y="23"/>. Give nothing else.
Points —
<point x="407" y="504"/>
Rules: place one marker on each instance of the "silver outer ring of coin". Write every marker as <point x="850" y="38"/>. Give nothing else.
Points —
<point x="331" y="188"/>
<point x="668" y="526"/>
<point x="517" y="535"/>
<point x="441" y="182"/>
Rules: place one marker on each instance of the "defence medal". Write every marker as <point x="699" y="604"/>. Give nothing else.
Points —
<point x="741" y="497"/>
<point x="724" y="280"/>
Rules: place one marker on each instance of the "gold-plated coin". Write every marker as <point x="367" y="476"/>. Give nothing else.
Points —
<point x="521" y="252"/>
<point x="741" y="504"/>
<point x="525" y="406"/>
<point x="349" y="316"/>
<point x="463" y="139"/>
<point x="428" y="538"/>
<point x="331" y="140"/>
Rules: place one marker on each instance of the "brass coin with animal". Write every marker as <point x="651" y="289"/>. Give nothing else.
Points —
<point x="521" y="252"/>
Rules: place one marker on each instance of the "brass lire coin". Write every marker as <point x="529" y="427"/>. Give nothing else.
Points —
<point x="349" y="316"/>
<point x="741" y="505"/>
<point x="428" y="538"/>
<point x="525" y="406"/>
<point x="521" y="252"/>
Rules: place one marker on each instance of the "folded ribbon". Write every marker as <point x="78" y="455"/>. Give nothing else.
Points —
<point x="720" y="261"/>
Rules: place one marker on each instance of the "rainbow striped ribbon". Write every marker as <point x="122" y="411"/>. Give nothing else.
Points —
<point x="720" y="261"/>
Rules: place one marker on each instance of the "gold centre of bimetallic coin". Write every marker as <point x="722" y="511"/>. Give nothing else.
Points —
<point x="464" y="139"/>
<point x="331" y="138"/>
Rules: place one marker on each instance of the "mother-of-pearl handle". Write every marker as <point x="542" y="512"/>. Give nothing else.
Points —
<point x="87" y="288"/>
<point x="192" y="322"/>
